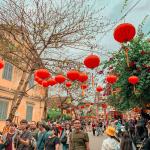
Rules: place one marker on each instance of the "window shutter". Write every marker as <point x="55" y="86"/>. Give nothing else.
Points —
<point x="3" y="110"/>
<point x="29" y="112"/>
<point x="31" y="81"/>
<point x="7" y="73"/>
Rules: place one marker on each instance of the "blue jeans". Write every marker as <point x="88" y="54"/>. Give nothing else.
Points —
<point x="65" y="146"/>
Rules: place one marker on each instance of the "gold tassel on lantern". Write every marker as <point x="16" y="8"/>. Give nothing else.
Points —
<point x="83" y="92"/>
<point x="134" y="89"/>
<point x="92" y="81"/>
<point x="127" y="56"/>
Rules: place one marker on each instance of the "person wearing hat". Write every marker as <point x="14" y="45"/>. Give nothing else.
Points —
<point x="111" y="142"/>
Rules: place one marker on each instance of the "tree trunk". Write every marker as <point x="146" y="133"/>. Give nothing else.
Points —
<point x="22" y="80"/>
<point x="45" y="104"/>
<point x="19" y="97"/>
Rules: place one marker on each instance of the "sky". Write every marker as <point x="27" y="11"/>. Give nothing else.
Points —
<point x="135" y="16"/>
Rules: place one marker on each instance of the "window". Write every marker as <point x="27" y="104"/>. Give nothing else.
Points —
<point x="3" y="109"/>
<point x="29" y="112"/>
<point x="7" y="73"/>
<point x="31" y="81"/>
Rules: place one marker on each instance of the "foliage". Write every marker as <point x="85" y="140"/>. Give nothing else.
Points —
<point x="55" y="114"/>
<point x="139" y="52"/>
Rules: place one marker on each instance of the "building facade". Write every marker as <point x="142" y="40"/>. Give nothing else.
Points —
<point x="31" y="107"/>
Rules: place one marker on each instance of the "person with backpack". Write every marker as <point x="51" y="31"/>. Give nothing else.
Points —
<point x="65" y="137"/>
<point x="79" y="140"/>
<point x="41" y="135"/>
<point x="51" y="141"/>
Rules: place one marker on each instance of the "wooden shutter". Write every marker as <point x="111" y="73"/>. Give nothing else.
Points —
<point x="29" y="112"/>
<point x="3" y="110"/>
<point x="7" y="73"/>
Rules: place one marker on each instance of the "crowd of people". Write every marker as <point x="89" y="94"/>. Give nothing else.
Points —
<point x="73" y="135"/>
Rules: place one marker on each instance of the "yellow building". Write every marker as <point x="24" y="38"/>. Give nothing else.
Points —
<point x="31" y="107"/>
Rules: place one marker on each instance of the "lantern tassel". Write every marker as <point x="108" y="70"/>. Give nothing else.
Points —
<point x="92" y="80"/>
<point x="127" y="56"/>
<point x="134" y="89"/>
<point x="83" y="93"/>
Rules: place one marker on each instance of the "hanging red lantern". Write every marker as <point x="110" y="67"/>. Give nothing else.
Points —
<point x="52" y="82"/>
<point x="73" y="75"/>
<point x="60" y="79"/>
<point x="68" y="84"/>
<point x="42" y="73"/>
<point x="99" y="89"/>
<point x="1" y="64"/>
<point x="82" y="107"/>
<point x="82" y="77"/>
<point x="87" y="105"/>
<point x="111" y="79"/>
<point x="133" y="80"/>
<point x="104" y="106"/>
<point x="45" y="84"/>
<point x="124" y="32"/>
<point x="83" y="87"/>
<point x="38" y="80"/>
<point x="92" y="61"/>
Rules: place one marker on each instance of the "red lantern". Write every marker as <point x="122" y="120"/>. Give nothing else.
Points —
<point x="83" y="77"/>
<point x="42" y="73"/>
<point x="73" y="75"/>
<point x="99" y="89"/>
<point x="124" y="32"/>
<point x="52" y="82"/>
<point x="82" y="107"/>
<point x="133" y="80"/>
<point x="87" y="105"/>
<point x="45" y="83"/>
<point x="1" y="64"/>
<point x="68" y="84"/>
<point x="92" y="61"/>
<point x="60" y="79"/>
<point x="111" y="79"/>
<point x="104" y="106"/>
<point x="38" y="80"/>
<point x="84" y="86"/>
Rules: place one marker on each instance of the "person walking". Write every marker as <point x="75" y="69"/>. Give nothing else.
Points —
<point x="111" y="142"/>
<point x="65" y="137"/>
<point x="93" y="128"/>
<point x="79" y="140"/>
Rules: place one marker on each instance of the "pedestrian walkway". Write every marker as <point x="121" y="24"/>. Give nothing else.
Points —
<point x="96" y="141"/>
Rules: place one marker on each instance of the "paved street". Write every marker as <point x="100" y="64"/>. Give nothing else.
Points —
<point x="95" y="142"/>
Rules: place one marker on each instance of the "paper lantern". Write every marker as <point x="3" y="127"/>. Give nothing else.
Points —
<point x="99" y="89"/>
<point x="42" y="73"/>
<point x="84" y="86"/>
<point x="60" y="79"/>
<point x="111" y="79"/>
<point x="73" y="75"/>
<point x="104" y="106"/>
<point x="133" y="80"/>
<point x="82" y="107"/>
<point x="52" y="82"/>
<point x="92" y="61"/>
<point x="83" y="77"/>
<point x="38" y="80"/>
<point x="124" y="32"/>
<point x="45" y="84"/>
<point x="68" y="84"/>
<point x="1" y="64"/>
